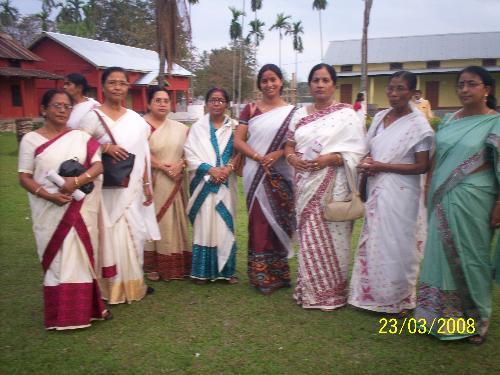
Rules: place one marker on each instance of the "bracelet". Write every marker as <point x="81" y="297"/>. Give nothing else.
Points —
<point x="147" y="183"/>
<point x="88" y="175"/>
<point x="254" y="156"/>
<point x="37" y="190"/>
<point x="106" y="147"/>
<point x="76" y="181"/>
<point x="231" y="165"/>
<point x="289" y="156"/>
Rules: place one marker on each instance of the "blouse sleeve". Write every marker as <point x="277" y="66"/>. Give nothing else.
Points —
<point x="245" y="115"/>
<point x="424" y="145"/>
<point x="26" y="163"/>
<point x="90" y="124"/>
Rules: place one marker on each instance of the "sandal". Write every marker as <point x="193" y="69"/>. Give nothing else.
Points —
<point x="107" y="315"/>
<point x="153" y="276"/>
<point x="233" y="280"/>
<point x="476" y="340"/>
<point x="150" y="290"/>
<point x="200" y="281"/>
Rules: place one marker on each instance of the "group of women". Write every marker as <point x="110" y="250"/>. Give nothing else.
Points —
<point x="433" y="194"/>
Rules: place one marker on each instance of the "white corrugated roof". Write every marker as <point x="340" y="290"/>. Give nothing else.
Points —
<point x="441" y="47"/>
<point x="105" y="54"/>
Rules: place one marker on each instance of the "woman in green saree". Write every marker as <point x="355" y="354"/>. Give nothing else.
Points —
<point x="454" y="295"/>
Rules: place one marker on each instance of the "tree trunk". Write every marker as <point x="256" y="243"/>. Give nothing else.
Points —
<point x="320" y="35"/>
<point x="161" y="71"/>
<point x="279" y="50"/>
<point x="364" y="49"/>
<point x="240" y="61"/>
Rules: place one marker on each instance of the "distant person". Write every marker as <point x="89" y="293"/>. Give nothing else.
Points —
<point x="127" y="212"/>
<point x="422" y="104"/>
<point x="77" y="87"/>
<point x="360" y="107"/>
<point x="384" y="276"/>
<point x="65" y="229"/>
<point x="464" y="213"/>
<point x="170" y="257"/>
<point x="338" y="139"/>
<point x="212" y="205"/>
<point x="267" y="180"/>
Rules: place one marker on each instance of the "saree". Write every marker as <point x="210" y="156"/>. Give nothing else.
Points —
<point x="269" y="199"/>
<point x="211" y="207"/>
<point x="66" y="237"/>
<point x="80" y="110"/>
<point x="126" y="223"/>
<point x="323" y="258"/>
<point x="170" y="256"/>
<point x="390" y="247"/>
<point x="456" y="277"/>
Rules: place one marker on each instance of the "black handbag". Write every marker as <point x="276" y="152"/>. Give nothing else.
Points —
<point x="73" y="168"/>
<point x="116" y="172"/>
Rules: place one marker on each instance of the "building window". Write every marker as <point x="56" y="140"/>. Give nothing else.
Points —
<point x="346" y="68"/>
<point x="396" y="66"/>
<point x="17" y="100"/>
<point x="489" y="62"/>
<point x="433" y="64"/>
<point x="15" y="63"/>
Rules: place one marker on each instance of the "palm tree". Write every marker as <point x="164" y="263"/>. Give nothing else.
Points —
<point x="235" y="32"/>
<point x="281" y="24"/>
<point x="297" y="30"/>
<point x="364" y="48"/>
<point x="255" y="34"/>
<point x="167" y="19"/>
<point x="320" y="5"/>
<point x="8" y="13"/>
<point x="44" y="15"/>
<point x="71" y="12"/>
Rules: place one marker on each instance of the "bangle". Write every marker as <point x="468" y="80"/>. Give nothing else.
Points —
<point x="76" y="181"/>
<point x="88" y="175"/>
<point x="37" y="190"/>
<point x="106" y="147"/>
<point x="289" y="156"/>
<point x="339" y="159"/>
<point x="231" y="165"/>
<point x="254" y="156"/>
<point x="147" y="183"/>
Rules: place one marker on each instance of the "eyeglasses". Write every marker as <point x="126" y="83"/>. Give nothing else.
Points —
<point x="64" y="106"/>
<point x="160" y="101"/>
<point x="217" y="101"/>
<point x="468" y="84"/>
<point x="398" y="89"/>
<point x="117" y="83"/>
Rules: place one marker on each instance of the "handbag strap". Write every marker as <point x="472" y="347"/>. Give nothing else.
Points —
<point x="108" y="131"/>
<point x="350" y="181"/>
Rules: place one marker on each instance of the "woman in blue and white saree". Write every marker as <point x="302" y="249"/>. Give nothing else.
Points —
<point x="212" y="205"/>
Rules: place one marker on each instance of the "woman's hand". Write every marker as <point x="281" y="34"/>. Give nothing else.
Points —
<point x="174" y="171"/>
<point x="297" y="163"/>
<point x="148" y="195"/>
<point x="495" y="215"/>
<point x="218" y="175"/>
<point x="268" y="160"/>
<point x="60" y="199"/>
<point x="116" y="152"/>
<point x="69" y="186"/>
<point x="369" y="166"/>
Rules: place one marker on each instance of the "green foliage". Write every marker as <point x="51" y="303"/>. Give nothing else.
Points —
<point x="211" y="329"/>
<point x="435" y="121"/>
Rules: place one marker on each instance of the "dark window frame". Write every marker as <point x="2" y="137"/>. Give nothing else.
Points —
<point x="395" y="66"/>
<point x="433" y="64"/>
<point x="16" y="95"/>
<point x="489" y="62"/>
<point x="346" y="68"/>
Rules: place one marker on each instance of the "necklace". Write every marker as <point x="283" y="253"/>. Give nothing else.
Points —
<point x="316" y="109"/>
<point x="460" y="113"/>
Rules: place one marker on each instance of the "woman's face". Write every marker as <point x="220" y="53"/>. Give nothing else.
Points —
<point x="321" y="85"/>
<point x="216" y="104"/>
<point x="73" y="90"/>
<point x="58" y="110"/>
<point x="116" y="87"/>
<point x="160" y="104"/>
<point x="398" y="92"/>
<point x="270" y="84"/>
<point x="471" y="89"/>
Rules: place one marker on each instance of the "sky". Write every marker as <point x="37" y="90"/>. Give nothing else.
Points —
<point x="342" y="19"/>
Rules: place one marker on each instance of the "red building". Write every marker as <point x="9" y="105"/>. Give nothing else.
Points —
<point x="64" y="54"/>
<point x="18" y="76"/>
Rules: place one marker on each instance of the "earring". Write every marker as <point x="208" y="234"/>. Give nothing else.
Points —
<point x="486" y="97"/>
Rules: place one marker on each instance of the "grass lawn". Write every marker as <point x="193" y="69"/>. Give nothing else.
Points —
<point x="209" y="329"/>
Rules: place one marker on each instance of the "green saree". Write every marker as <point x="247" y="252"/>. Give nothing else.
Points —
<point x="457" y="272"/>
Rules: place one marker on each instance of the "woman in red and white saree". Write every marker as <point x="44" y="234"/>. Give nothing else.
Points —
<point x="324" y="139"/>
<point x="65" y="229"/>
<point x="267" y="180"/>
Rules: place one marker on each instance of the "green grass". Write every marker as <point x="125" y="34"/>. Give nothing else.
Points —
<point x="234" y="329"/>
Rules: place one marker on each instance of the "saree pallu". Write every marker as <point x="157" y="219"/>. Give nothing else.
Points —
<point x="269" y="198"/>
<point x="323" y="259"/>
<point x="456" y="276"/>
<point x="170" y="256"/>
<point x="127" y="223"/>
<point x="384" y="275"/>
<point x="66" y="237"/>
<point x="211" y="207"/>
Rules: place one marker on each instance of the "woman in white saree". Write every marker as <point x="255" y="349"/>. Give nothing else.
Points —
<point x="65" y="229"/>
<point x="128" y="216"/>
<point x="267" y="180"/>
<point x="212" y="205"/>
<point x="76" y="86"/>
<point x="323" y="140"/>
<point x="390" y="247"/>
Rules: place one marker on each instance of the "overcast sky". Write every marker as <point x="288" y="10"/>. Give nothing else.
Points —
<point x="342" y="19"/>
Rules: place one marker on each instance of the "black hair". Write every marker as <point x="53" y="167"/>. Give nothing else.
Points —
<point x="418" y="91"/>
<point x="217" y="89"/>
<point x="153" y="90"/>
<point x="487" y="79"/>
<point x="78" y="80"/>
<point x="360" y="96"/>
<point x="273" y="68"/>
<point x="409" y="77"/>
<point x="49" y="94"/>
<point x="329" y="68"/>
<point x="112" y="69"/>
